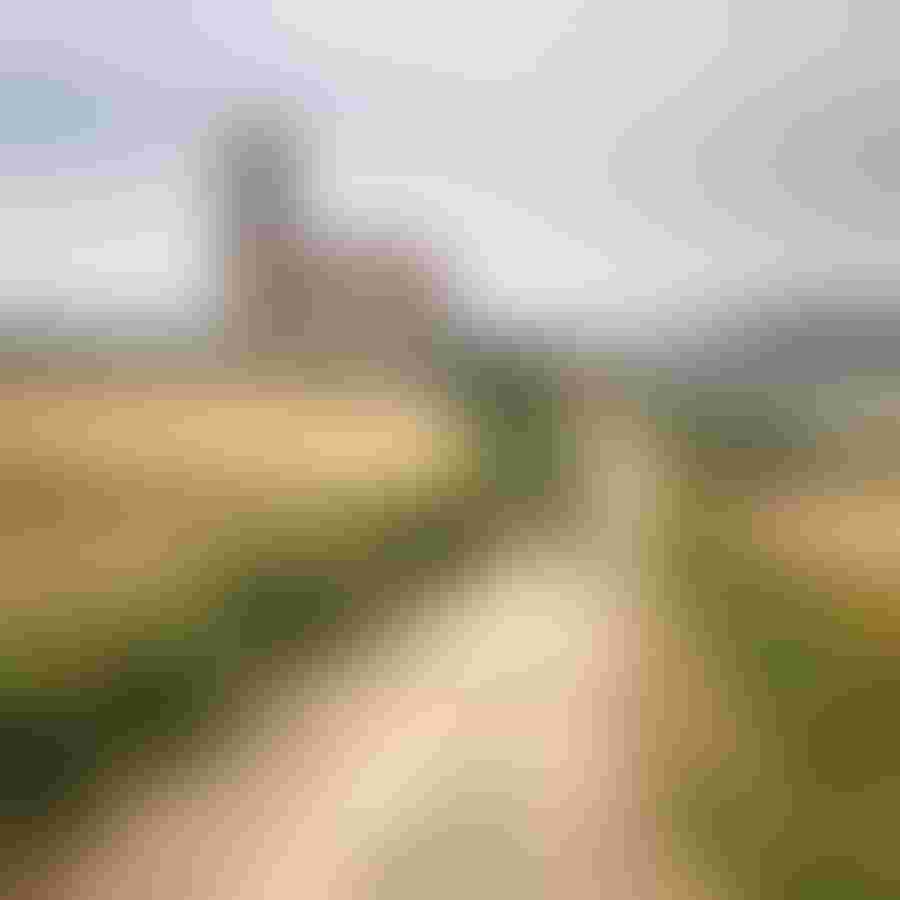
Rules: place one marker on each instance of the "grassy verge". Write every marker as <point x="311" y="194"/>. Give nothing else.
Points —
<point x="801" y="806"/>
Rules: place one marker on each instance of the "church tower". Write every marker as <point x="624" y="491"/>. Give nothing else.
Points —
<point x="264" y="220"/>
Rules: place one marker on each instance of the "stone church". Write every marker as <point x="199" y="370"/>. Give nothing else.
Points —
<point x="294" y="288"/>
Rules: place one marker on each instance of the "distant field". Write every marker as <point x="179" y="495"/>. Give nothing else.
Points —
<point x="850" y="535"/>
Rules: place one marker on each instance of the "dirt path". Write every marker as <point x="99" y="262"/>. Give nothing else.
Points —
<point x="489" y="751"/>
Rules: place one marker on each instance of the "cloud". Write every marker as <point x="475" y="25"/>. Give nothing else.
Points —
<point x="482" y="39"/>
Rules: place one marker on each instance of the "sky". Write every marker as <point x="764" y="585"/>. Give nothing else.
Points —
<point x="598" y="158"/>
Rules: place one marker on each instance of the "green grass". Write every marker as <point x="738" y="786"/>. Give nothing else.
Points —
<point x="802" y="809"/>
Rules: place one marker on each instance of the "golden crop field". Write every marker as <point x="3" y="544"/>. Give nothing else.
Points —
<point x="845" y="538"/>
<point x="120" y="501"/>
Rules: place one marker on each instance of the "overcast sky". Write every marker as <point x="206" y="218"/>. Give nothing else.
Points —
<point x="595" y="155"/>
